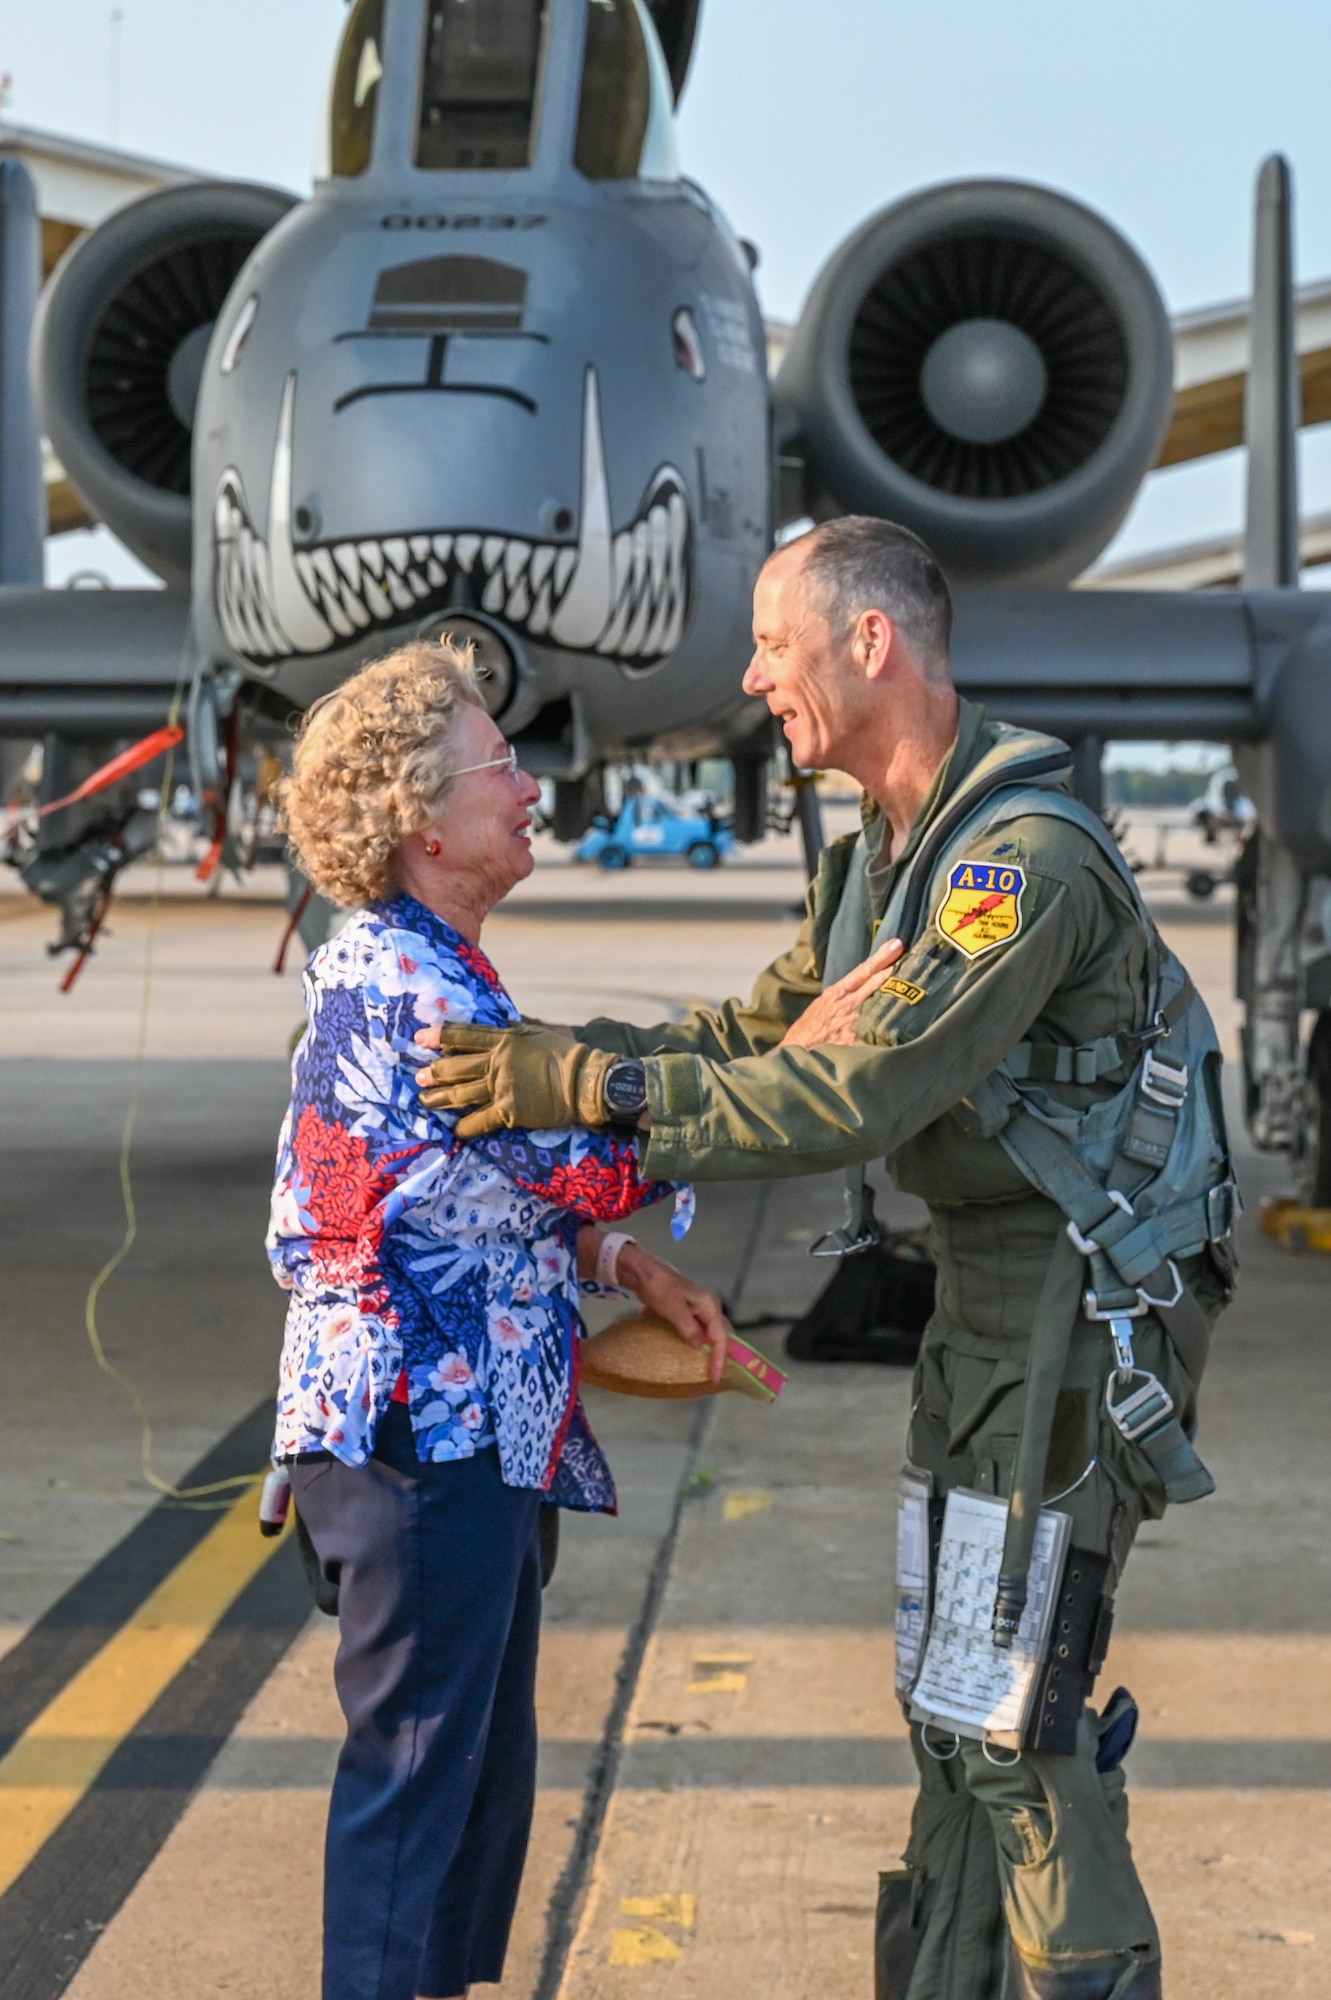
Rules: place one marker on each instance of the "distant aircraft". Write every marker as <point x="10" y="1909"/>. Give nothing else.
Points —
<point x="503" y="376"/>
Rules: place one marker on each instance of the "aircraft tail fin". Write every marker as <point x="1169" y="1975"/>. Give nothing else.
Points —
<point x="1272" y="403"/>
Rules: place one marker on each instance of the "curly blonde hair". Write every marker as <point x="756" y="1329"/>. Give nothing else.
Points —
<point x="371" y="767"/>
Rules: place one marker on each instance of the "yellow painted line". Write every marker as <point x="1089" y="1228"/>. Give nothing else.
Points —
<point x="715" y="1673"/>
<point x="643" y="1943"/>
<point x="741" y="1502"/>
<point x="61" y="1753"/>
<point x="675" y="1908"/>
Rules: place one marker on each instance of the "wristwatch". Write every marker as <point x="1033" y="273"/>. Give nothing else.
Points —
<point x="624" y="1092"/>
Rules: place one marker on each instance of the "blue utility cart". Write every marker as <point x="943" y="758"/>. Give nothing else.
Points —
<point x="652" y="827"/>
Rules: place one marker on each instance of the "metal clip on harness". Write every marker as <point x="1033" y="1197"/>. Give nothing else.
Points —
<point x="861" y="1229"/>
<point x="1144" y="1410"/>
<point x="1164" y="1082"/>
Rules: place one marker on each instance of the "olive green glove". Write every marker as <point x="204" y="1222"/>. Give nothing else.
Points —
<point x="527" y="1076"/>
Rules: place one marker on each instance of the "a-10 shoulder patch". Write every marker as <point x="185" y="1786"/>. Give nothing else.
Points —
<point x="902" y="988"/>
<point x="982" y="907"/>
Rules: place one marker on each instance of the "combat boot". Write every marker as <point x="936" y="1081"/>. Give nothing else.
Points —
<point x="1138" y="1980"/>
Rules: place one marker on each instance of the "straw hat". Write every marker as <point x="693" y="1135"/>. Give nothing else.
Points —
<point x="644" y="1356"/>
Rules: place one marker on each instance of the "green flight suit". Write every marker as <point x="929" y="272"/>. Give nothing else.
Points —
<point x="1074" y="968"/>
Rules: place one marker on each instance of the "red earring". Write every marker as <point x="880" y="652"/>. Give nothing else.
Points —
<point x="432" y="848"/>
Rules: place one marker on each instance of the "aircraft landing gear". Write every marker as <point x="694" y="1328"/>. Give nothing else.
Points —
<point x="68" y="851"/>
<point x="577" y="802"/>
<point x="750" y="815"/>
<point x="1310" y="1154"/>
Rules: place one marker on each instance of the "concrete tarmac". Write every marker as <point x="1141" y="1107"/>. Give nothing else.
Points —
<point x="723" y="1768"/>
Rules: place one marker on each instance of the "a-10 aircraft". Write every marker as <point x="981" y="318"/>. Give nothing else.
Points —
<point x="503" y="375"/>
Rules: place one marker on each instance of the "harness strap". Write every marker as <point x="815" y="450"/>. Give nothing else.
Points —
<point x="1016" y="776"/>
<point x="1050" y="1339"/>
<point x="1131" y="1257"/>
<point x="1087" y="1062"/>
<point x="1145" y="1416"/>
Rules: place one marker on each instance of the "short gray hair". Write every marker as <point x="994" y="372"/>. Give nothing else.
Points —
<point x="858" y="563"/>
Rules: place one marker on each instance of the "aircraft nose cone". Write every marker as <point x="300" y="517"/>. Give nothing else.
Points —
<point x="983" y="380"/>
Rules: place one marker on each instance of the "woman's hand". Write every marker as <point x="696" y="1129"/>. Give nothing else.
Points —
<point x="693" y="1310"/>
<point x="832" y="1019"/>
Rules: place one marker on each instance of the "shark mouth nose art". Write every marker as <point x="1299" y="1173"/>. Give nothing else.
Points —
<point x="622" y="594"/>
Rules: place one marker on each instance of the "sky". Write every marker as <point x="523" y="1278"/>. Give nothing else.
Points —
<point x="803" y="116"/>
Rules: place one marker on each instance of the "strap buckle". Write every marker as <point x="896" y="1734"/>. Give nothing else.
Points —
<point x="1164" y="1082"/>
<point x="1143" y="1411"/>
<point x="1224" y="1205"/>
<point x="1086" y="1244"/>
<point x="1091" y="1306"/>
<point x="1164" y="1304"/>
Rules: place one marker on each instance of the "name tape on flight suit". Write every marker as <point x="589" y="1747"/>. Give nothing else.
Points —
<point x="982" y="907"/>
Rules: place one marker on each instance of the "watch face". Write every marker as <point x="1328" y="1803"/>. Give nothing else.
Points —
<point x="626" y="1087"/>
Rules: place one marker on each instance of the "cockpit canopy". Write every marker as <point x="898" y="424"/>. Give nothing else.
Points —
<point x="478" y="105"/>
<point x="626" y="123"/>
<point x="479" y="72"/>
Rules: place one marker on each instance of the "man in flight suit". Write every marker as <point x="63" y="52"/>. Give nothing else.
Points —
<point x="848" y="1053"/>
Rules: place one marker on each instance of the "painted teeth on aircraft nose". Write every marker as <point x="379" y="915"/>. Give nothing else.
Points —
<point x="319" y="576"/>
<point x="354" y="585"/>
<point x="380" y="603"/>
<point x="538" y="618"/>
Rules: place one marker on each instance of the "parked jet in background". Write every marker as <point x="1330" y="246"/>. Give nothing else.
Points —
<point x="502" y="376"/>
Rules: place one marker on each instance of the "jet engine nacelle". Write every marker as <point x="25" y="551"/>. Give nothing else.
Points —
<point x="118" y="349"/>
<point x="989" y="363"/>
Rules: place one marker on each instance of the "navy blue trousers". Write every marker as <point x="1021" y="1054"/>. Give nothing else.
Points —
<point x="438" y="1571"/>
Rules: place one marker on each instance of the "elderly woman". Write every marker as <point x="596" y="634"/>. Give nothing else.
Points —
<point x="428" y="1401"/>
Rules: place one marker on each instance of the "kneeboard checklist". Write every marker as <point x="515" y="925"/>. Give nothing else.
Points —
<point x="966" y="1684"/>
<point x="912" y="1619"/>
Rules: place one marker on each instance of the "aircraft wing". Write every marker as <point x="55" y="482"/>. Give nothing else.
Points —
<point x="1123" y="664"/>
<point x="1211" y="353"/>
<point x="100" y="663"/>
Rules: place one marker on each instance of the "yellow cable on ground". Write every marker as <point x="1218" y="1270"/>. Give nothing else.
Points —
<point x="186" y="1494"/>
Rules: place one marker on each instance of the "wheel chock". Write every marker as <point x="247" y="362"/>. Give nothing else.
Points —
<point x="1295" y="1227"/>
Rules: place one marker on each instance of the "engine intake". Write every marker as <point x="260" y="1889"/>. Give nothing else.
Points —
<point x="118" y="349"/>
<point x="989" y="363"/>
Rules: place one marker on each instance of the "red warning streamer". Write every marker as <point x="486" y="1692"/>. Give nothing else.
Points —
<point x="120" y="766"/>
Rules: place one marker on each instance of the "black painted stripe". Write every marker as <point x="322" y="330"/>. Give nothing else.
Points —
<point x="94" y="1608"/>
<point x="745" y="1762"/>
<point x="58" y="1908"/>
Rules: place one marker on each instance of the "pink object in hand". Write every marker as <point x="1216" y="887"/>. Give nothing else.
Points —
<point x="751" y="1372"/>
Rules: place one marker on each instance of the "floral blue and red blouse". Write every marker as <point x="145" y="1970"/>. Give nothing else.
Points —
<point x="416" y="1264"/>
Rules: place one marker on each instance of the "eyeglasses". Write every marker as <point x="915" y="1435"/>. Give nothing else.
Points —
<point x="508" y="762"/>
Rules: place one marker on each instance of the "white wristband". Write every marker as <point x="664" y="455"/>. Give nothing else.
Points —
<point x="607" y="1257"/>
